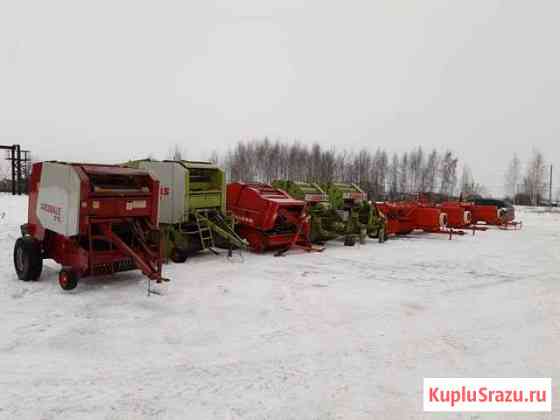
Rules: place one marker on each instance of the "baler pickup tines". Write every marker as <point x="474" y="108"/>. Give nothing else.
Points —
<point x="146" y="266"/>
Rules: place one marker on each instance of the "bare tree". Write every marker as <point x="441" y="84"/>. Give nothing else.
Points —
<point x="214" y="157"/>
<point x="468" y="185"/>
<point x="448" y="174"/>
<point x="315" y="163"/>
<point x="378" y="174"/>
<point x="431" y="171"/>
<point x="534" y="182"/>
<point x="328" y="166"/>
<point x="416" y="163"/>
<point x="466" y="180"/>
<point x="264" y="160"/>
<point x="513" y="177"/>
<point x="176" y="153"/>
<point x="394" y="176"/>
<point x="403" y="174"/>
<point x="341" y="166"/>
<point x="362" y="165"/>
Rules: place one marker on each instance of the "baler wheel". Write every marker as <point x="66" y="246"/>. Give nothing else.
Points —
<point x="179" y="255"/>
<point x="28" y="260"/>
<point x="68" y="279"/>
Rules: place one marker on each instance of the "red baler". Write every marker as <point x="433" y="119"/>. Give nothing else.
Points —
<point x="92" y="220"/>
<point x="458" y="216"/>
<point x="268" y="217"/>
<point x="404" y="217"/>
<point x="492" y="215"/>
<point x="491" y="211"/>
<point x="487" y="214"/>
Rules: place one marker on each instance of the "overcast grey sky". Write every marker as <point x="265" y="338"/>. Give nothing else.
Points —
<point x="112" y="80"/>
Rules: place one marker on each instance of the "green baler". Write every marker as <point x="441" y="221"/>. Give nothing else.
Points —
<point x="326" y="224"/>
<point x="361" y="217"/>
<point x="192" y="207"/>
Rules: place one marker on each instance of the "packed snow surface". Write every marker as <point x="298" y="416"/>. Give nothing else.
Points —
<point x="349" y="333"/>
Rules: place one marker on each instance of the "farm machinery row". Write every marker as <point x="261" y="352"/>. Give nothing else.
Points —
<point x="102" y="219"/>
<point x="448" y="217"/>
<point x="337" y="211"/>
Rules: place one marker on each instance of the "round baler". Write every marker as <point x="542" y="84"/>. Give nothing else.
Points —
<point x="360" y="217"/>
<point x="325" y="224"/>
<point x="92" y="220"/>
<point x="406" y="216"/>
<point x="268" y="217"/>
<point x="458" y="216"/>
<point x="192" y="207"/>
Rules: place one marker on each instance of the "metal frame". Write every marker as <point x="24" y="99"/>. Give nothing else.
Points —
<point x="19" y="165"/>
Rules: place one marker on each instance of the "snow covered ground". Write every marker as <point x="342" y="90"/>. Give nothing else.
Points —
<point x="346" y="334"/>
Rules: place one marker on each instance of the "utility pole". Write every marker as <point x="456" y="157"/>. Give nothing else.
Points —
<point x="18" y="168"/>
<point x="13" y="160"/>
<point x="550" y="188"/>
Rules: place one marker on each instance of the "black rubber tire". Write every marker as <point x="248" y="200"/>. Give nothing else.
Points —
<point x="68" y="279"/>
<point x="28" y="259"/>
<point x="349" y="240"/>
<point x="179" y="256"/>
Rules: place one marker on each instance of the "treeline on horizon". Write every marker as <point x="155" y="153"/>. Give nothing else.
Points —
<point x="380" y="174"/>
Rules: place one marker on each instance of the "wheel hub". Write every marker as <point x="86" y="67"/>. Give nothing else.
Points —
<point x="64" y="279"/>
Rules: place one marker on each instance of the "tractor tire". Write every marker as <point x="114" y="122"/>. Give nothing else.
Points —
<point x="179" y="256"/>
<point x="28" y="259"/>
<point x="349" y="240"/>
<point x="68" y="279"/>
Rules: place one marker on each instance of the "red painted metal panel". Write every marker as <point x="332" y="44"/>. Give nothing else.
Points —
<point x="267" y="217"/>
<point x="404" y="217"/>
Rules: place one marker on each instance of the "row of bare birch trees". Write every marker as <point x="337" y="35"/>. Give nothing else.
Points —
<point x="377" y="172"/>
<point x="528" y="182"/>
